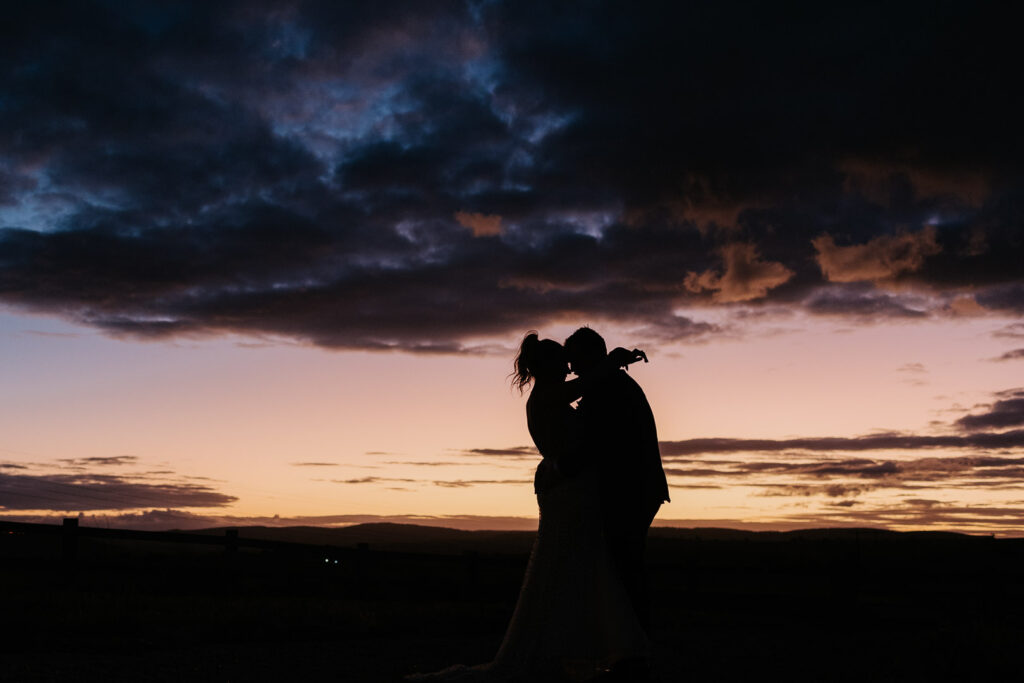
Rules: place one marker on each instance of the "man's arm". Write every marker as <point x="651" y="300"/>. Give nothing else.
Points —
<point x="609" y="365"/>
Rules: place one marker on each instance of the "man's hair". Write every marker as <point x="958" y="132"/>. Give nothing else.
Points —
<point x="587" y="342"/>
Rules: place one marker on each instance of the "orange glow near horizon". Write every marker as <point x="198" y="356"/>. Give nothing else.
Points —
<point x="387" y="434"/>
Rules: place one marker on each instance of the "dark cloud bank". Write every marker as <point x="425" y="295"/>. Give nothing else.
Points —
<point x="100" y="491"/>
<point x="419" y="175"/>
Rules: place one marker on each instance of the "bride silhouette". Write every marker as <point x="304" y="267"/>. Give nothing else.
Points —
<point x="573" y="620"/>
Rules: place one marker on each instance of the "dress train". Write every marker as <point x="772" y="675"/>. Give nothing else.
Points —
<point x="573" y="618"/>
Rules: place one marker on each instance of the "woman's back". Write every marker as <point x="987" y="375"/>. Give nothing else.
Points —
<point x="553" y="426"/>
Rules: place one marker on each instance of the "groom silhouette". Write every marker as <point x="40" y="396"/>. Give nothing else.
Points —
<point x="619" y="433"/>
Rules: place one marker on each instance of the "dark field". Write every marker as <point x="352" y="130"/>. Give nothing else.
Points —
<point x="839" y="605"/>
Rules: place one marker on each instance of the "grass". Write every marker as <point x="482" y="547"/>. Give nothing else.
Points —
<point x="835" y="608"/>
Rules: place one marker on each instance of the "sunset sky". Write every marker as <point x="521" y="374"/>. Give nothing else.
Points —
<point x="268" y="263"/>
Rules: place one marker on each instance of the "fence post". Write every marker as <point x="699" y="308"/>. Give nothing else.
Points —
<point x="231" y="540"/>
<point x="69" y="538"/>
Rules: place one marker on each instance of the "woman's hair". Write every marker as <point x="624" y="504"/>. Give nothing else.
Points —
<point x="521" y="365"/>
<point x="536" y="357"/>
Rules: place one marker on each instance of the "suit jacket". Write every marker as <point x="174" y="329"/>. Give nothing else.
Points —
<point x="620" y="434"/>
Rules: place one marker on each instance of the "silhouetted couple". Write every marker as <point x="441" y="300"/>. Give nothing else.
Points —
<point x="583" y="610"/>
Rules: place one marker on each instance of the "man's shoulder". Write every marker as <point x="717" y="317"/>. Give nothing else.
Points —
<point x="618" y="387"/>
<point x="622" y="380"/>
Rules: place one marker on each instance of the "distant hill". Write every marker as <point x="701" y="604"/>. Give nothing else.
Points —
<point x="724" y="534"/>
<point x="433" y="539"/>
<point x="390" y="536"/>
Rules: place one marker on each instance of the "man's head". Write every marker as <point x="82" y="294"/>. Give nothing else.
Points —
<point x="585" y="349"/>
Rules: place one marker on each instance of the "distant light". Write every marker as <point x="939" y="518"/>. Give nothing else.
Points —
<point x="335" y="562"/>
<point x="327" y="559"/>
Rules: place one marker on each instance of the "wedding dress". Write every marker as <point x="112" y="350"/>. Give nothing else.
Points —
<point x="573" y="618"/>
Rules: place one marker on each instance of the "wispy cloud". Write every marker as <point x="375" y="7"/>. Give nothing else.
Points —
<point x="979" y="471"/>
<point x="373" y="480"/>
<point x="913" y="369"/>
<point x="101" y="461"/>
<point x="512" y="452"/>
<point x="426" y="463"/>
<point x="1016" y="354"/>
<point x="922" y="513"/>
<point x="873" y="442"/>
<point x="465" y="483"/>
<point x="1011" y="331"/>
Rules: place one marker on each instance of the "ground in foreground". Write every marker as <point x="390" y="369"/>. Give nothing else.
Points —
<point x="815" y="606"/>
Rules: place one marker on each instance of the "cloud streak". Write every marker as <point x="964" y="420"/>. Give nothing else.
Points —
<point x="83" y="492"/>
<point x="922" y="513"/>
<point x="100" y="461"/>
<point x="510" y="452"/>
<point x="985" y="441"/>
<point x="466" y="483"/>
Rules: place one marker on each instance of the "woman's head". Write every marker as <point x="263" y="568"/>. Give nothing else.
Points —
<point x="542" y="359"/>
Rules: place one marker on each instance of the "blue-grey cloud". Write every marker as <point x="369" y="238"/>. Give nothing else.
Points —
<point x="313" y="169"/>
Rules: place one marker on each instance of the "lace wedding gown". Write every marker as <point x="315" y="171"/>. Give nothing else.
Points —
<point x="573" y="617"/>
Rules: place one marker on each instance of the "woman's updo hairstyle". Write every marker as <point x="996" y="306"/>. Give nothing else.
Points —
<point x="537" y="357"/>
